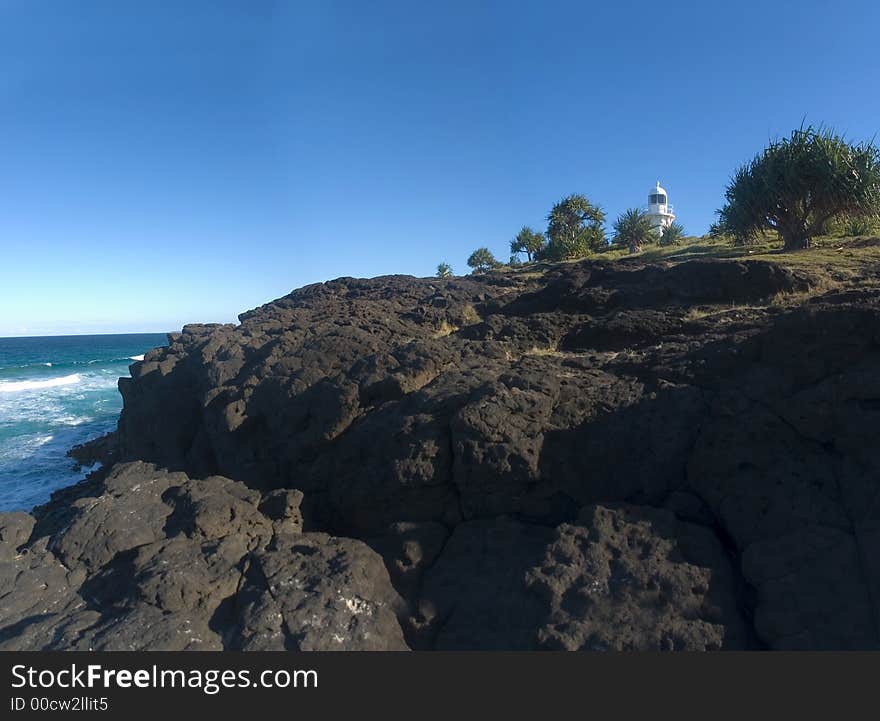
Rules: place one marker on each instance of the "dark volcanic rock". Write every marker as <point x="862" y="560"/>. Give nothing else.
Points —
<point x="15" y="530"/>
<point x="474" y="597"/>
<point x="618" y="578"/>
<point x="100" y="450"/>
<point x="633" y="578"/>
<point x="157" y="561"/>
<point x="314" y="592"/>
<point x="595" y="456"/>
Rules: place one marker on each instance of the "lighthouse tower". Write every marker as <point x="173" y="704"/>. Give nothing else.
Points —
<point x="659" y="209"/>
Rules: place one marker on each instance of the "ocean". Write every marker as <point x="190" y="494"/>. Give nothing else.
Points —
<point x="56" y="392"/>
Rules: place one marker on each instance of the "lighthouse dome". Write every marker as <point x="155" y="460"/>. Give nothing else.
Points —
<point x="657" y="195"/>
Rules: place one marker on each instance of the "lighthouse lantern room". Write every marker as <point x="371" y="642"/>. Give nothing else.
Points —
<point x="659" y="209"/>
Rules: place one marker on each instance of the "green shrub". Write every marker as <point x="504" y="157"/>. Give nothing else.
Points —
<point x="527" y="241"/>
<point x="575" y="228"/>
<point x="801" y="183"/>
<point x="634" y="229"/>
<point x="672" y="234"/>
<point x="482" y="260"/>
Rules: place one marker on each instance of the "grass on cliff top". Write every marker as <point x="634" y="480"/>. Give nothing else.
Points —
<point x="827" y="252"/>
<point x="847" y="255"/>
<point x="831" y="262"/>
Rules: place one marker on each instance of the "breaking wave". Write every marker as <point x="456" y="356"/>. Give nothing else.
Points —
<point x="16" y="386"/>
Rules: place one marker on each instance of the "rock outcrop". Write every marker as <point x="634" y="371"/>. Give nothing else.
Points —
<point x="154" y="560"/>
<point x="585" y="456"/>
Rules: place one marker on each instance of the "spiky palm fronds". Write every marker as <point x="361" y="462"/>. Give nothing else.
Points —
<point x="482" y="260"/>
<point x="528" y="241"/>
<point x="575" y="228"/>
<point x="633" y="229"/>
<point x="444" y="270"/>
<point x="800" y="183"/>
<point x="672" y="234"/>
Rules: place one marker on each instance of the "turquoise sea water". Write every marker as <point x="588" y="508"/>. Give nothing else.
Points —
<point x="56" y="392"/>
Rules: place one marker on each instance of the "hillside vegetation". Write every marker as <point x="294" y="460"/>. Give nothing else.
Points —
<point x="790" y="197"/>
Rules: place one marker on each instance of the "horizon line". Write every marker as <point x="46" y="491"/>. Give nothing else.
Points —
<point x="78" y="335"/>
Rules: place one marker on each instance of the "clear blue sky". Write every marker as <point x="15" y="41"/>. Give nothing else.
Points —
<point x="166" y="162"/>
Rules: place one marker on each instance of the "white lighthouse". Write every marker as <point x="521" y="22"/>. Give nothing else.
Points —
<point x="659" y="209"/>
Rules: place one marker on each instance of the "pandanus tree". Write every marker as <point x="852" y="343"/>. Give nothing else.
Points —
<point x="672" y="234"/>
<point x="482" y="260"/>
<point x="717" y="230"/>
<point x="527" y="241"/>
<point x="575" y="228"/>
<point x="797" y="185"/>
<point x="633" y="229"/>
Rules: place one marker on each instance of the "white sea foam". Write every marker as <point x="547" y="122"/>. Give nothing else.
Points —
<point x="16" y="386"/>
<point x="70" y="420"/>
<point x="48" y="407"/>
<point x="23" y="447"/>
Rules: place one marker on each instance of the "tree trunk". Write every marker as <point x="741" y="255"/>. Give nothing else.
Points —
<point x="796" y="241"/>
<point x="795" y="234"/>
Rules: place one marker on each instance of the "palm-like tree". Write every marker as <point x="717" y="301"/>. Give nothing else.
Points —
<point x="527" y="241"/>
<point x="575" y="228"/>
<point x="633" y="229"/>
<point x="482" y="260"/>
<point x="444" y="270"/>
<point x="799" y="184"/>
<point x="672" y="234"/>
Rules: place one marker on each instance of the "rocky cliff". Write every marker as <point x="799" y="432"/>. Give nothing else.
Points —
<point x="583" y="456"/>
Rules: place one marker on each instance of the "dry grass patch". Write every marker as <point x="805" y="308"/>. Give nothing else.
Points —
<point x="470" y="316"/>
<point x="700" y="312"/>
<point x="549" y="350"/>
<point x="445" y="329"/>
